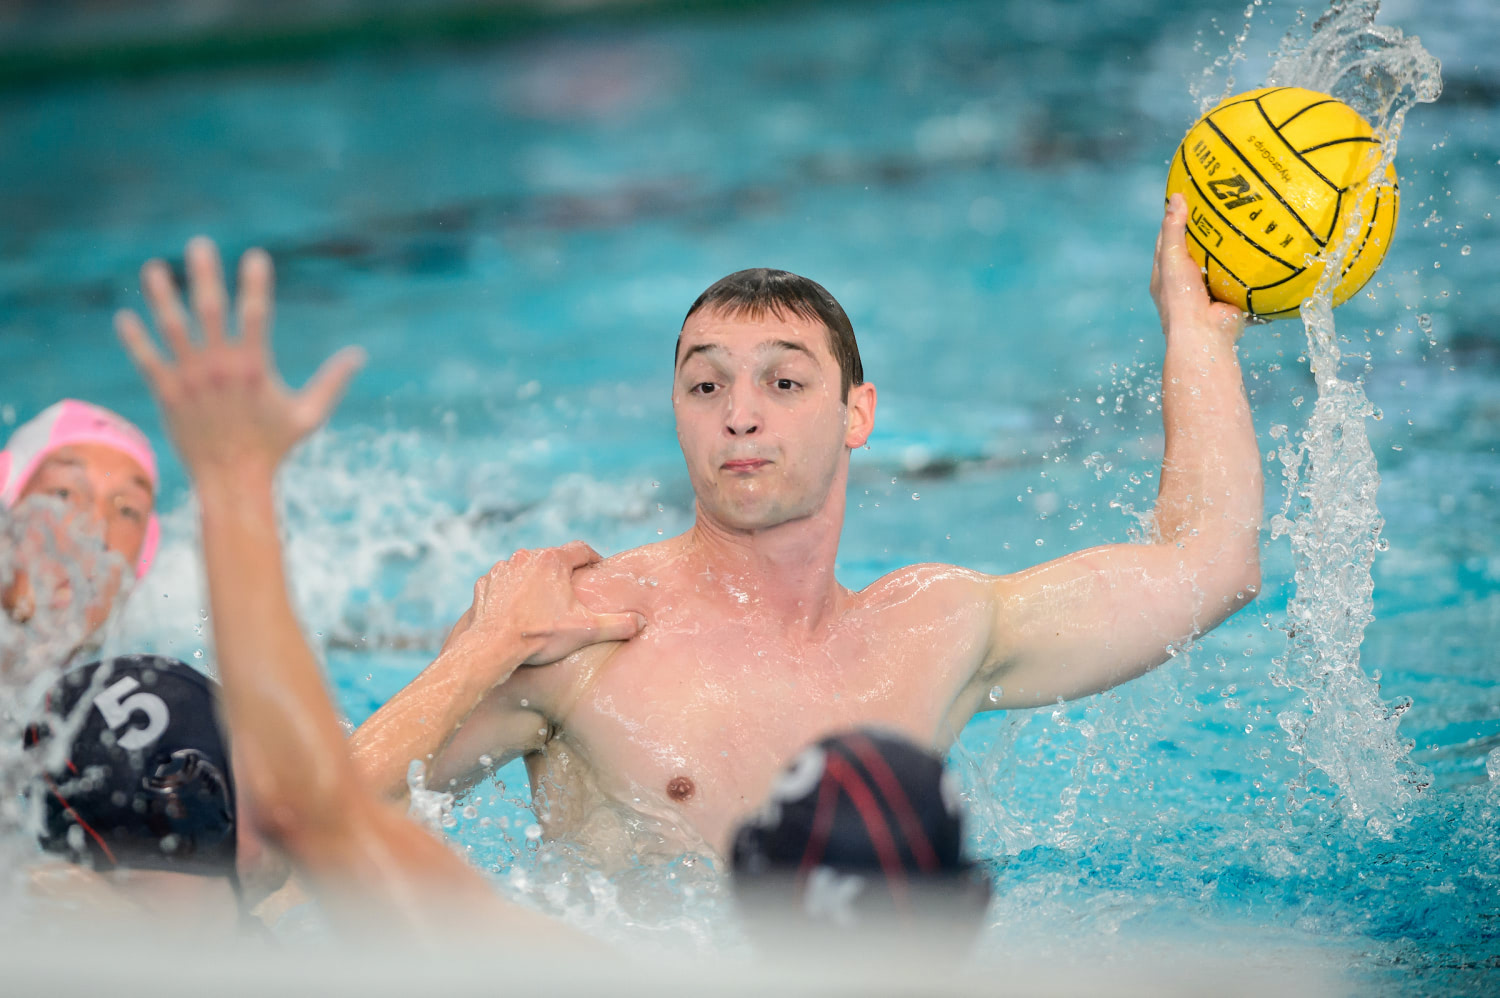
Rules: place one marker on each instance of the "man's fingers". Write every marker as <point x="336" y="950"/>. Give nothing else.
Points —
<point x="255" y="290"/>
<point x="323" y="392"/>
<point x="206" y="288"/>
<point x="618" y="626"/>
<point x="137" y="342"/>
<point x="579" y="554"/>
<point x="166" y="307"/>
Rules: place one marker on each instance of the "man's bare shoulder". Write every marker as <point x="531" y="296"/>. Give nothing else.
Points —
<point x="929" y="580"/>
<point x="629" y="580"/>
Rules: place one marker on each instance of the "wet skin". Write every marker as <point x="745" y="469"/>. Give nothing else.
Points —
<point x="106" y="495"/>
<point x="752" y="649"/>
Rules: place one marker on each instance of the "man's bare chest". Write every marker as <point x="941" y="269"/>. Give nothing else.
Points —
<point x="700" y="717"/>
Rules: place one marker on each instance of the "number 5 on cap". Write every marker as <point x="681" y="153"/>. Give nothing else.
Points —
<point x="117" y="703"/>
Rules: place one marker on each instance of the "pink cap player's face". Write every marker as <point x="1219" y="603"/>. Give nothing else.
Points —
<point x="106" y="494"/>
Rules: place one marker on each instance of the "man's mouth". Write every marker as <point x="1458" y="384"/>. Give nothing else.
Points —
<point x="744" y="465"/>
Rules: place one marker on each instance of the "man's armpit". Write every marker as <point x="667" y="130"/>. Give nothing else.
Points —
<point x="497" y="732"/>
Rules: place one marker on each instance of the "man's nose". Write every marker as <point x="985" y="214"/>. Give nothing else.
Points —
<point x="743" y="417"/>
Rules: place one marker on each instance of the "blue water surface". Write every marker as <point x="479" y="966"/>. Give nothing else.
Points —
<point x="513" y="232"/>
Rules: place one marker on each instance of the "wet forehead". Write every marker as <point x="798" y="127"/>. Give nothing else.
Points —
<point x="737" y="333"/>
<point x="119" y="468"/>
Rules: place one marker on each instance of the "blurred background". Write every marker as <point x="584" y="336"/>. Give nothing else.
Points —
<point x="511" y="205"/>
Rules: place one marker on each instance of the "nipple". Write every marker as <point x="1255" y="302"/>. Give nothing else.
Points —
<point x="681" y="788"/>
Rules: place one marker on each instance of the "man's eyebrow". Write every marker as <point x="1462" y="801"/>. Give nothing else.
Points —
<point x="142" y="482"/>
<point x="700" y="348"/>
<point x="770" y="345"/>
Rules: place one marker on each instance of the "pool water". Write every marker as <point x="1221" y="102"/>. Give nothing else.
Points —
<point x="513" y="231"/>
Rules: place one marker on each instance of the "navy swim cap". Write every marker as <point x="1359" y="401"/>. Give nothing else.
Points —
<point x="146" y="782"/>
<point x="862" y="828"/>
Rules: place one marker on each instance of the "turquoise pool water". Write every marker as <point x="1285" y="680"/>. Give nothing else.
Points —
<point x="514" y="231"/>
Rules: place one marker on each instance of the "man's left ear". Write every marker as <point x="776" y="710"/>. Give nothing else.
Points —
<point x="861" y="408"/>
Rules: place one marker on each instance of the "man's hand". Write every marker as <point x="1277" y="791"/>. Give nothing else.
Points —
<point x="1177" y="283"/>
<point x="529" y="599"/>
<point x="223" y="400"/>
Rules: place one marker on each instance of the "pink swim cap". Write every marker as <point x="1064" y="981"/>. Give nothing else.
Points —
<point x="73" y="422"/>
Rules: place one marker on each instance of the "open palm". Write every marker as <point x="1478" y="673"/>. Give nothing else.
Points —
<point x="222" y="399"/>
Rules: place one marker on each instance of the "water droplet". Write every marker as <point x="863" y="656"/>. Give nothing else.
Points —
<point x="915" y="496"/>
<point x="471" y="812"/>
<point x="1465" y="251"/>
<point x="1040" y="542"/>
<point x="486" y="761"/>
<point x="533" y="832"/>
<point x="198" y="653"/>
<point x="996" y="693"/>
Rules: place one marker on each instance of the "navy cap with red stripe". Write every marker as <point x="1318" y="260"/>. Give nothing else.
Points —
<point x="862" y="827"/>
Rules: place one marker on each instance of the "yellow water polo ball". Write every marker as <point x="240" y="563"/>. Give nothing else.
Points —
<point x="1274" y="178"/>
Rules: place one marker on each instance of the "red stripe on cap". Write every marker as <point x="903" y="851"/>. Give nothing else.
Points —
<point x="822" y="827"/>
<point x="875" y="825"/>
<point x="890" y="787"/>
<point x="110" y="853"/>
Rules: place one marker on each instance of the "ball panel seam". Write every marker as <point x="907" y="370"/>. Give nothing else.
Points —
<point x="1270" y="187"/>
<point x="1208" y="201"/>
<point x="1299" y="114"/>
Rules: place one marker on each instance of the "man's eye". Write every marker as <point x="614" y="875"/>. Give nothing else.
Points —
<point x="62" y="492"/>
<point x="786" y="384"/>
<point x="704" y="388"/>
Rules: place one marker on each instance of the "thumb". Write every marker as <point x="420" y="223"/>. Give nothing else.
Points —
<point x="323" y="391"/>
<point x="619" y="626"/>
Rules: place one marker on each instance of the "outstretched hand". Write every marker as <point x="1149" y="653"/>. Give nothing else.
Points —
<point x="530" y="598"/>
<point x="1177" y="283"/>
<point x="222" y="399"/>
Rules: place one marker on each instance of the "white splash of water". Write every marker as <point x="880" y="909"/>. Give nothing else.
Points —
<point x="68" y="570"/>
<point x="1330" y="512"/>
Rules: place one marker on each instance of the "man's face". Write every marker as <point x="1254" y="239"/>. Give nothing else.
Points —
<point x="106" y="495"/>
<point x="759" y="417"/>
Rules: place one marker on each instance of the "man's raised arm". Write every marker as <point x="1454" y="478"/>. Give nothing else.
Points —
<point x="233" y="421"/>
<point x="1097" y="618"/>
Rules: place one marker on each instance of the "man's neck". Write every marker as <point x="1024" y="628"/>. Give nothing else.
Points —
<point x="785" y="570"/>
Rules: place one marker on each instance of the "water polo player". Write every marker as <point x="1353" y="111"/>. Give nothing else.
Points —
<point x="136" y="785"/>
<point x="752" y="644"/>
<point x="100" y="473"/>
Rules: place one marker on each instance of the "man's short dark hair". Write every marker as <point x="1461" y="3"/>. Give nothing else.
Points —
<point x="761" y="291"/>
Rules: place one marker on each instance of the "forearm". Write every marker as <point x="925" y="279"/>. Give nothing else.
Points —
<point x="420" y="720"/>
<point x="1209" y="503"/>
<point x="288" y="744"/>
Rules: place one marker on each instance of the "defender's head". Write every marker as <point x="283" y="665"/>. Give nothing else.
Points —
<point x="102" y="471"/>
<point x="137" y="782"/>
<point x="770" y="397"/>
<point x="860" y="844"/>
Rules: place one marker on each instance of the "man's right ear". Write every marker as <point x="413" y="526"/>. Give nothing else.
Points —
<point x="861" y="408"/>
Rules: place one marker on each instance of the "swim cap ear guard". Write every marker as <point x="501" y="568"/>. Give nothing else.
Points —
<point x="861" y="831"/>
<point x="147" y="782"/>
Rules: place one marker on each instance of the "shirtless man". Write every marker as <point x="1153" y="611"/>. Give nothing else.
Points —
<point x="750" y="647"/>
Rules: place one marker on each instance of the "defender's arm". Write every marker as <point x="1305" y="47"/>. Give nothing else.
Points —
<point x="524" y="613"/>
<point x="1097" y="618"/>
<point x="233" y="421"/>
